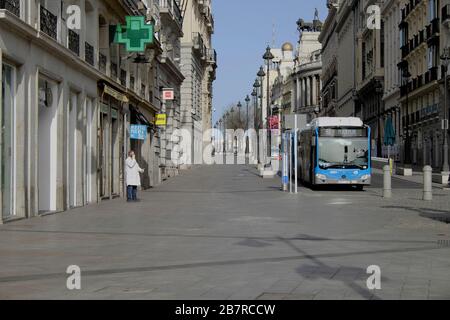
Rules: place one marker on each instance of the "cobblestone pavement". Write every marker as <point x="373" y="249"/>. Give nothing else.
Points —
<point x="221" y="232"/>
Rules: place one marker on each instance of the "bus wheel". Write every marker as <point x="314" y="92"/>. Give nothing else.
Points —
<point x="359" y="187"/>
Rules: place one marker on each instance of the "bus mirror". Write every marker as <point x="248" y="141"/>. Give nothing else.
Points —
<point x="313" y="141"/>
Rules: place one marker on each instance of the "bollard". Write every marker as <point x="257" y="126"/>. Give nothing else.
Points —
<point x="387" y="185"/>
<point x="427" y="183"/>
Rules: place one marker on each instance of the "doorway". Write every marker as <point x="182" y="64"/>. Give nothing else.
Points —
<point x="115" y="153"/>
<point x="47" y="145"/>
<point x="72" y="146"/>
<point x="8" y="141"/>
<point x="103" y="151"/>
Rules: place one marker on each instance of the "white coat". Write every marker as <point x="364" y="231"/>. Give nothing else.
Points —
<point x="132" y="172"/>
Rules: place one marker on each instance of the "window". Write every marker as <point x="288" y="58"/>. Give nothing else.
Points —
<point x="382" y="45"/>
<point x="8" y="140"/>
<point x="432" y="54"/>
<point x="432" y="10"/>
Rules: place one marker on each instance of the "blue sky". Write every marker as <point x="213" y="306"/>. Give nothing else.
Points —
<point x="243" y="29"/>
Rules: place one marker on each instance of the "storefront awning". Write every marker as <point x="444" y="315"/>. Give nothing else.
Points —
<point x="115" y="94"/>
<point x="141" y="118"/>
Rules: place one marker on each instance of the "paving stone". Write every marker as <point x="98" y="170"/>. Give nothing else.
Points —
<point x="220" y="232"/>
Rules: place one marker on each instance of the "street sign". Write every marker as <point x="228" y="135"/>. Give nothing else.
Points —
<point x="138" y="132"/>
<point x="168" y="94"/>
<point x="161" y="119"/>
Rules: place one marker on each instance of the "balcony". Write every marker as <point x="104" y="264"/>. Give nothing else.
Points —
<point x="445" y="14"/>
<point x="409" y="7"/>
<point x="12" y="6"/>
<point x="432" y="31"/>
<point x="172" y="8"/>
<point x="74" y="42"/>
<point x="199" y="45"/>
<point x="420" y="81"/>
<point x="49" y="23"/>
<point x="413" y="43"/>
<point x="89" y="53"/>
<point x="212" y="56"/>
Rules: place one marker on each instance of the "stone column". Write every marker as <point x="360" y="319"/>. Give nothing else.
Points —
<point x="308" y="92"/>
<point x="314" y="90"/>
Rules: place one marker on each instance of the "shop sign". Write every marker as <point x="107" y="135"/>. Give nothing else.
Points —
<point x="168" y="94"/>
<point x="429" y="110"/>
<point x="114" y="113"/>
<point x="104" y="108"/>
<point x="274" y="123"/>
<point x="161" y="119"/>
<point x="138" y="132"/>
<point x="115" y="94"/>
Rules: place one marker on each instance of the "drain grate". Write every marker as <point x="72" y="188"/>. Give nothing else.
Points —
<point x="444" y="243"/>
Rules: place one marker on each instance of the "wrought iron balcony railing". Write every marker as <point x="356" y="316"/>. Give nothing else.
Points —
<point x="74" y="42"/>
<point x="49" y="23"/>
<point x="89" y="53"/>
<point x="12" y="6"/>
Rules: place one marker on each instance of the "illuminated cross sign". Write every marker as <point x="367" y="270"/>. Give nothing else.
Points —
<point x="135" y="35"/>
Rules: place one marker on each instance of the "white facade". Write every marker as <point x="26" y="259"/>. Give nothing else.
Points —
<point x="198" y="65"/>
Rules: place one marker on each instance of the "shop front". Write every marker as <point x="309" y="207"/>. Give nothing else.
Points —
<point x="112" y="142"/>
<point x="142" y="142"/>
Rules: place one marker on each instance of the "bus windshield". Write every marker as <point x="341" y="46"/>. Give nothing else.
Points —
<point x="345" y="153"/>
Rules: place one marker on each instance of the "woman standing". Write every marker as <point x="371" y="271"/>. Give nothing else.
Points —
<point x="133" y="177"/>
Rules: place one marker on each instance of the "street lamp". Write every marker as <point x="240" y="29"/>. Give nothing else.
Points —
<point x="239" y="106"/>
<point x="247" y="101"/>
<point x="379" y="91"/>
<point x="261" y="74"/>
<point x="268" y="57"/>
<point x="445" y="62"/>
<point x="406" y="133"/>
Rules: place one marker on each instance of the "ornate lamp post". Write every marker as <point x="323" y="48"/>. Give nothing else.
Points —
<point x="261" y="74"/>
<point x="239" y="106"/>
<point x="379" y="91"/>
<point x="406" y="133"/>
<point x="247" y="101"/>
<point x="256" y="87"/>
<point x="445" y="62"/>
<point x="268" y="57"/>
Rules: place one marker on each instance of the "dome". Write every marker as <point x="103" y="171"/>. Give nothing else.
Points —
<point x="287" y="47"/>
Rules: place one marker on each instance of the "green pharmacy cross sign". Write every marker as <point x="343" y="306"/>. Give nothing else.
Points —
<point x="135" y="35"/>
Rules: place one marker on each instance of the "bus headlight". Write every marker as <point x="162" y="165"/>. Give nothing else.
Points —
<point x="321" y="176"/>
<point x="366" y="177"/>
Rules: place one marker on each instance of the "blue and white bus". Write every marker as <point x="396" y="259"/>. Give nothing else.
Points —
<point x="335" y="151"/>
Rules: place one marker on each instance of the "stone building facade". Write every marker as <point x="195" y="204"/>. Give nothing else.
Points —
<point x="199" y="63"/>
<point x="68" y="98"/>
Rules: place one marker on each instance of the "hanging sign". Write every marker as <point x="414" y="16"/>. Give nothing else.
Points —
<point x="161" y="119"/>
<point x="168" y="94"/>
<point x="138" y="132"/>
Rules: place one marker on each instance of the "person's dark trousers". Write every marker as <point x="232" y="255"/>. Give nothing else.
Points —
<point x="134" y="193"/>
<point x="129" y="193"/>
